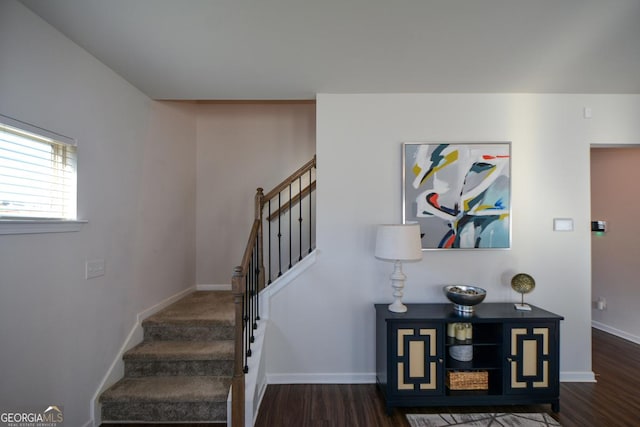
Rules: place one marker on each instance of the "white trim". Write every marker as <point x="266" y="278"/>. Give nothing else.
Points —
<point x="135" y="336"/>
<point x="255" y="380"/>
<point x="261" y="391"/>
<point x="36" y="226"/>
<point x="229" y="409"/>
<point x="255" y="383"/>
<point x="206" y="287"/>
<point x="617" y="332"/>
<point x="370" y="378"/>
<point x="283" y="281"/>
<point x="327" y="378"/>
<point x="37" y="130"/>
<point x="577" y="377"/>
<point x="295" y="271"/>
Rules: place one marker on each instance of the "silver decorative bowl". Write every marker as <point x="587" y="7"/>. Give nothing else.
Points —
<point x="464" y="298"/>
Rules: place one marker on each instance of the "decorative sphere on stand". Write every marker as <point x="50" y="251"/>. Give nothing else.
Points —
<point x="523" y="284"/>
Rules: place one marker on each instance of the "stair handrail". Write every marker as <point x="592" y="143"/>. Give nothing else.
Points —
<point x="248" y="280"/>
<point x="285" y="182"/>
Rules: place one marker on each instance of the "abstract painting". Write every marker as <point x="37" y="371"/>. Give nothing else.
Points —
<point x="459" y="193"/>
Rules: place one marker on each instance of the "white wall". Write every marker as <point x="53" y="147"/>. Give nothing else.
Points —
<point x="242" y="146"/>
<point x="323" y="325"/>
<point x="614" y="189"/>
<point x="58" y="332"/>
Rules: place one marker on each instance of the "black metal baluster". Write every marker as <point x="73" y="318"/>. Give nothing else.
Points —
<point x="269" y="239"/>
<point x="244" y="326"/>
<point x="300" y="216"/>
<point x="279" y="234"/>
<point x="310" y="213"/>
<point x="254" y="291"/>
<point x="257" y="283"/>
<point x="290" y="214"/>
<point x="249" y="287"/>
<point x="257" y="297"/>
<point x="248" y="319"/>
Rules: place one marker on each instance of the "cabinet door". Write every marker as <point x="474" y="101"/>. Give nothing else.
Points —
<point x="532" y="358"/>
<point x="416" y="359"/>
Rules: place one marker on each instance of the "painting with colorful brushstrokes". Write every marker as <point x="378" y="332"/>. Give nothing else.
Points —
<point x="459" y="193"/>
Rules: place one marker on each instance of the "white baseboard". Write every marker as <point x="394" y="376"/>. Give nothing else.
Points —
<point x="135" y="336"/>
<point x="206" y="287"/>
<point x="342" y="378"/>
<point x="577" y="377"/>
<point x="370" y="378"/>
<point x="617" y="332"/>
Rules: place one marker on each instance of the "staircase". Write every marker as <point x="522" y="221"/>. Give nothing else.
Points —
<point x="196" y="348"/>
<point x="182" y="370"/>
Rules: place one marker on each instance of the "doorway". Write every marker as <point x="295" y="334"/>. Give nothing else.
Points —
<point x="615" y="250"/>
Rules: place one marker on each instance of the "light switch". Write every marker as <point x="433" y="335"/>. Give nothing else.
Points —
<point x="94" y="268"/>
<point x="563" y="224"/>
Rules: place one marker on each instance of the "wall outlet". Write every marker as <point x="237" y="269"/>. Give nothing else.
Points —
<point x="94" y="268"/>
<point x="601" y="304"/>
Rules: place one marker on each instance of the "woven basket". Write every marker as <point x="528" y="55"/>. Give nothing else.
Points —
<point x="468" y="380"/>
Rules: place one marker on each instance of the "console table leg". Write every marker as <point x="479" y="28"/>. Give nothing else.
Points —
<point x="555" y="406"/>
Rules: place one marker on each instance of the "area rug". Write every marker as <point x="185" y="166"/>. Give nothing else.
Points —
<point x="482" y="420"/>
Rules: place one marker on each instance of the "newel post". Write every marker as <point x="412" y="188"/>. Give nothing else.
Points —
<point x="258" y="211"/>
<point x="237" y="383"/>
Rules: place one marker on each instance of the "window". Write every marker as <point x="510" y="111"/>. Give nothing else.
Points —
<point x="37" y="173"/>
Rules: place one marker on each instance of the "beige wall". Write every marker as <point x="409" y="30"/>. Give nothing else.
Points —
<point x="615" y="198"/>
<point x="322" y="326"/>
<point x="59" y="333"/>
<point x="242" y="146"/>
<point x="141" y="165"/>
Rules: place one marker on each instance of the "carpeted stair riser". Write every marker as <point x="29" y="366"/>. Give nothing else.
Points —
<point x="188" y="333"/>
<point x="147" y="368"/>
<point x="171" y="358"/>
<point x="159" y="399"/>
<point x="164" y="411"/>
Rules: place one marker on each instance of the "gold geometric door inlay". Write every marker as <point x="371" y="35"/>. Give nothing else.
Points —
<point x="417" y="368"/>
<point x="529" y="358"/>
<point x="416" y="358"/>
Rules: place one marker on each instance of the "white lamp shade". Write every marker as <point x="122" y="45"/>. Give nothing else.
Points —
<point x="398" y="242"/>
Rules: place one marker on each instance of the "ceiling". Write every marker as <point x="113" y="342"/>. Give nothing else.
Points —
<point x="293" y="49"/>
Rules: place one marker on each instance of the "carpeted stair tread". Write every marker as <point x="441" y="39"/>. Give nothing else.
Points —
<point x="169" y="389"/>
<point x="199" y="308"/>
<point x="181" y="350"/>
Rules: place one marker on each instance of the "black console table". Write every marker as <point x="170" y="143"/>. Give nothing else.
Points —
<point x="517" y="351"/>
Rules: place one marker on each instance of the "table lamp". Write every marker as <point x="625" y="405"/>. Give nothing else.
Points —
<point x="398" y="243"/>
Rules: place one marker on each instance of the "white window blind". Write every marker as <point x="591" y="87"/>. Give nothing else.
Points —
<point x="37" y="172"/>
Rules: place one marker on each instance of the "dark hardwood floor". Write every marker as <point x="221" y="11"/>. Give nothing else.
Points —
<point x="614" y="401"/>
